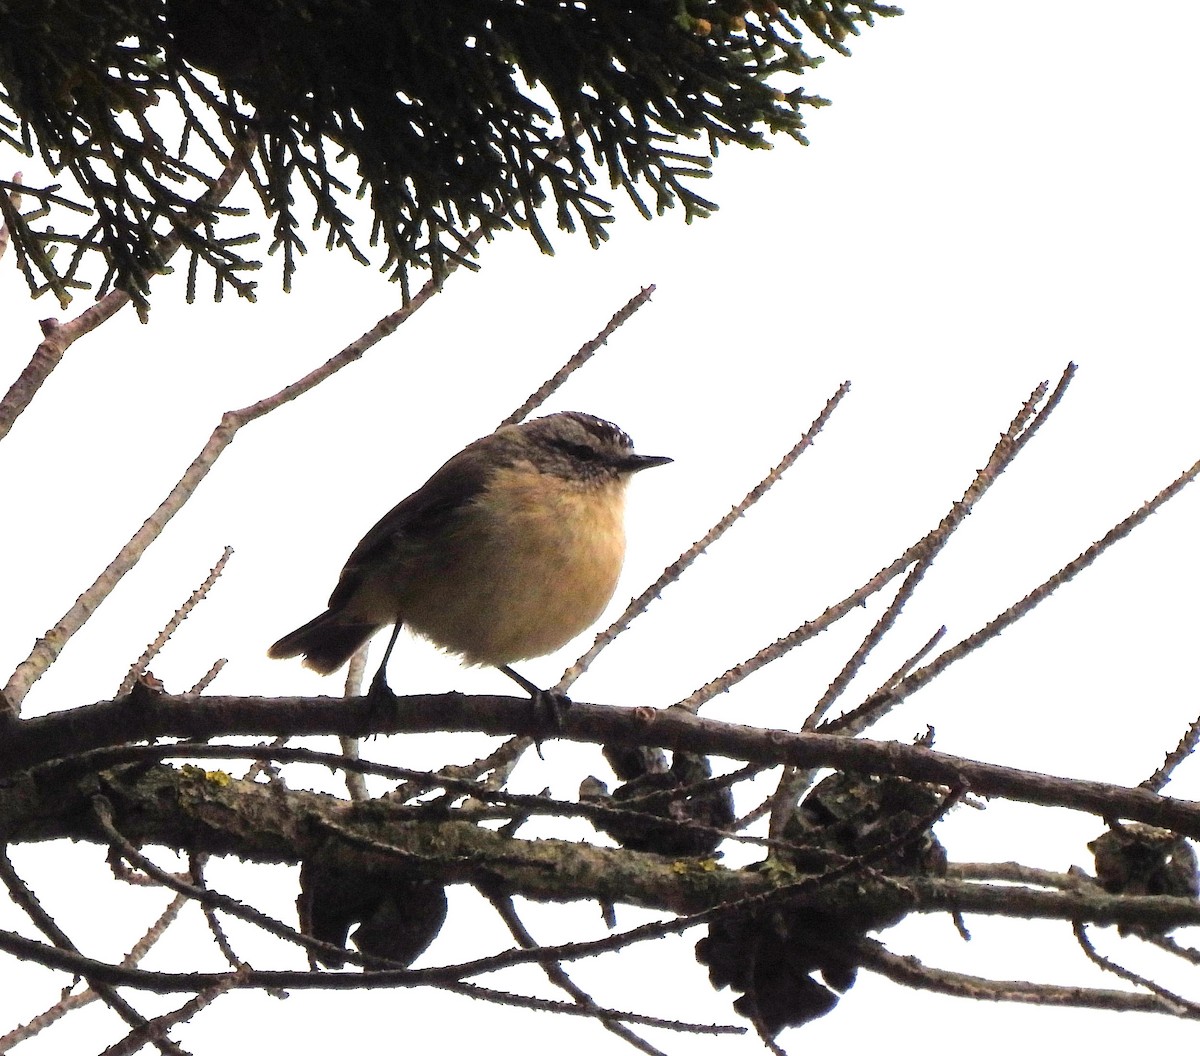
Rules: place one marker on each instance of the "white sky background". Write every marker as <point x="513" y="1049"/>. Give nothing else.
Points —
<point x="996" y="190"/>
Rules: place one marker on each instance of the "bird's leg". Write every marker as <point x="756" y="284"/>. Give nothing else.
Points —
<point x="548" y="704"/>
<point x="380" y="693"/>
<point x="379" y="682"/>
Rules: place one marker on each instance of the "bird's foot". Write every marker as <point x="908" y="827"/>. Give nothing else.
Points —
<point x="381" y="702"/>
<point x="549" y="707"/>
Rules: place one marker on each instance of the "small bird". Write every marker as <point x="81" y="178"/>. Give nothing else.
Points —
<point x="507" y="552"/>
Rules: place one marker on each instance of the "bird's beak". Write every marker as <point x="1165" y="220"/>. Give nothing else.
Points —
<point x="636" y="463"/>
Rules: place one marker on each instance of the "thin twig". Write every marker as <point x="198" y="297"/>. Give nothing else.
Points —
<point x="541" y="1004"/>
<point x="557" y="975"/>
<point x="589" y="349"/>
<point x="1121" y="972"/>
<point x="499" y="764"/>
<point x="196" y="869"/>
<point x="208" y="677"/>
<point x="356" y="784"/>
<point x="677" y="567"/>
<point x="261" y="764"/>
<point x="1016" y="873"/>
<point x="1173" y="947"/>
<point x="14" y="198"/>
<point x="909" y="971"/>
<point x="1157" y="781"/>
<point x="155" y="647"/>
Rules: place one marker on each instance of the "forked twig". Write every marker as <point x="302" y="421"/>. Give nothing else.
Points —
<point x="196" y="870"/>
<point x="923" y="675"/>
<point x="1012" y="441"/>
<point x="869" y="711"/>
<point x="138" y="668"/>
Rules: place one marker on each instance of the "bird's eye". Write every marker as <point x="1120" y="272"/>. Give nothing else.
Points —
<point x="579" y="452"/>
<point x="583" y="452"/>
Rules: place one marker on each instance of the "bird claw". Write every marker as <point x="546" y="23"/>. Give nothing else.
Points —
<point x="381" y="702"/>
<point x="549" y="707"/>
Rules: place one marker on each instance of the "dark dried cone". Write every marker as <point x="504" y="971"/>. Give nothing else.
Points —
<point x="636" y="761"/>
<point x="771" y="956"/>
<point x="774" y="955"/>
<point x="655" y="794"/>
<point x="853" y="815"/>
<point x="397" y="919"/>
<point x="1138" y="859"/>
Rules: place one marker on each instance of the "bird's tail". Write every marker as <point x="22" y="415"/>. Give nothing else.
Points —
<point x="325" y="643"/>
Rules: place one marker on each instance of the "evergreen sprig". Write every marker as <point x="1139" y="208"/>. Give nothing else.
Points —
<point x="444" y="117"/>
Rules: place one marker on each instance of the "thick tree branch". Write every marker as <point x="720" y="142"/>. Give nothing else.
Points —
<point x="145" y="716"/>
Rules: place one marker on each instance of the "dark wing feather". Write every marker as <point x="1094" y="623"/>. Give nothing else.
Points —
<point x="423" y="515"/>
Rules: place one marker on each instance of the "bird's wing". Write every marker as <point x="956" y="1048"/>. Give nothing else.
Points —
<point x="421" y="516"/>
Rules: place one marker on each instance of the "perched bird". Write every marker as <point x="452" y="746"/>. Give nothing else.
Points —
<point x="507" y="552"/>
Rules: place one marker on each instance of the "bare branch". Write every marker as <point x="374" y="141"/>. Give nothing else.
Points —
<point x="911" y="683"/>
<point x="41" y="742"/>
<point x="911" y="972"/>
<point x="1011" y="442"/>
<point x="1157" y="781"/>
<point x="1182" y="1005"/>
<point x="554" y="972"/>
<point x="356" y="784"/>
<point x="589" y="349"/>
<point x="155" y="647"/>
<point x="677" y="567"/>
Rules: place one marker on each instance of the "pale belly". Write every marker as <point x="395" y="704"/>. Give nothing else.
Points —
<point x="521" y="584"/>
